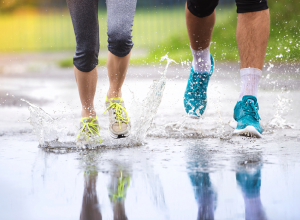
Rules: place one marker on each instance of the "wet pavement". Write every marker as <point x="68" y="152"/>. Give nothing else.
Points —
<point x="183" y="169"/>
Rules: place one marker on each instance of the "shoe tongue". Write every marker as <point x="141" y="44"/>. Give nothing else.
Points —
<point x="201" y="75"/>
<point x="250" y="98"/>
<point x="88" y="120"/>
<point x="115" y="100"/>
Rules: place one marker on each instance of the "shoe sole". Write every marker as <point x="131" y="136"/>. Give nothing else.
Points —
<point x="193" y="116"/>
<point x="119" y="136"/>
<point x="248" y="131"/>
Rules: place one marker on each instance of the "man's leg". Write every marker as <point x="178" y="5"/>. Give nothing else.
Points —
<point x="200" y="20"/>
<point x="200" y="25"/>
<point x="252" y="35"/>
<point x="253" y="29"/>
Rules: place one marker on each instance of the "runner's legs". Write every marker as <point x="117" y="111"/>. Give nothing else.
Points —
<point x="120" y="16"/>
<point x="84" y="16"/>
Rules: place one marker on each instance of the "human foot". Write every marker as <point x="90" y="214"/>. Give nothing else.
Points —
<point x="247" y="117"/>
<point x="89" y="132"/>
<point x="195" y="97"/>
<point x="119" y="125"/>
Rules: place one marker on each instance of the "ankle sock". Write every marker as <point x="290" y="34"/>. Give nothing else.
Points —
<point x="249" y="81"/>
<point x="201" y="60"/>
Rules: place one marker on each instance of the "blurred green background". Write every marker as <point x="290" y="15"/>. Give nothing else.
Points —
<point x="159" y="28"/>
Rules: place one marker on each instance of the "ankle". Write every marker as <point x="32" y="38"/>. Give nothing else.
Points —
<point x="88" y="112"/>
<point x="201" y="60"/>
<point x="113" y="94"/>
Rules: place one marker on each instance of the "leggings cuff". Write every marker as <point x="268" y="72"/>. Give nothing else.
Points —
<point x="118" y="53"/>
<point x="85" y="70"/>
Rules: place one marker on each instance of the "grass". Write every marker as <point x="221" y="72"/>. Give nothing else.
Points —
<point x="31" y="30"/>
<point x="159" y="31"/>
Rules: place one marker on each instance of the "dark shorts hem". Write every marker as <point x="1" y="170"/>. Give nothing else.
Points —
<point x="244" y="8"/>
<point x="194" y="11"/>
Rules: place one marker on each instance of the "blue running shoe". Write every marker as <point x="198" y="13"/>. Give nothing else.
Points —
<point x="195" y="97"/>
<point x="247" y="117"/>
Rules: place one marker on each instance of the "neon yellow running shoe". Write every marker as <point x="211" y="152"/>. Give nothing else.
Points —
<point x="89" y="132"/>
<point x="119" y="125"/>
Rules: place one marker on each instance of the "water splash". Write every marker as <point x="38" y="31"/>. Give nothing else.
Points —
<point x="282" y="106"/>
<point x="56" y="133"/>
<point x="43" y="124"/>
<point x="147" y="109"/>
<point x="49" y="131"/>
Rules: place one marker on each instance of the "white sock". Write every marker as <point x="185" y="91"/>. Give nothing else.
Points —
<point x="201" y="60"/>
<point x="249" y="81"/>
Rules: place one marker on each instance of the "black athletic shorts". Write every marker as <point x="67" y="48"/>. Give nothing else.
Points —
<point x="204" y="8"/>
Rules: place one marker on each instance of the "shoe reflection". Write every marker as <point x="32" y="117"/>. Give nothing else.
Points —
<point x="90" y="210"/>
<point x="204" y="194"/>
<point x="117" y="187"/>
<point x="120" y="182"/>
<point x="250" y="183"/>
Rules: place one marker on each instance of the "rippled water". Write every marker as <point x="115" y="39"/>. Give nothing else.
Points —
<point x="172" y="167"/>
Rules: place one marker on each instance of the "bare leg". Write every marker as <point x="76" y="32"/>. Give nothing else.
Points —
<point x="199" y="29"/>
<point x="87" y="82"/>
<point x="117" y="69"/>
<point x="252" y="36"/>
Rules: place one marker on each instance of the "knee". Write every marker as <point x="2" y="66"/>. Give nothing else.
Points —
<point x="120" y="43"/>
<point x="244" y="6"/>
<point x="202" y="8"/>
<point x="86" y="59"/>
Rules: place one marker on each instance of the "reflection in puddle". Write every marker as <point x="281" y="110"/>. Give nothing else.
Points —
<point x="250" y="185"/>
<point x="91" y="209"/>
<point x="178" y="180"/>
<point x="90" y="205"/>
<point x="204" y="195"/>
<point x="248" y="177"/>
<point x="119" y="181"/>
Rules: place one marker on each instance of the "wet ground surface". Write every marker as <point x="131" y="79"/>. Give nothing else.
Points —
<point x="183" y="169"/>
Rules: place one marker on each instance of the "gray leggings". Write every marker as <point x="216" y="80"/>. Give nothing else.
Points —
<point x="84" y="14"/>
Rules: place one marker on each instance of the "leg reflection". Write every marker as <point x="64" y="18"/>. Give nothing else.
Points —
<point x="204" y="195"/>
<point x="120" y="182"/>
<point x="250" y="184"/>
<point x="90" y="205"/>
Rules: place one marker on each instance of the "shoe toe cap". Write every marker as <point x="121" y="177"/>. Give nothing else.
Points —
<point x="120" y="129"/>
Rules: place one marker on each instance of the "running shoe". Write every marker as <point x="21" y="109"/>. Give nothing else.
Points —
<point x="89" y="132"/>
<point x="247" y="117"/>
<point x="119" y="125"/>
<point x="195" y="97"/>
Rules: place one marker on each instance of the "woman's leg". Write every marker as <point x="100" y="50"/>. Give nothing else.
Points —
<point x="120" y="16"/>
<point x="87" y="83"/>
<point x="84" y="14"/>
<point x="117" y="69"/>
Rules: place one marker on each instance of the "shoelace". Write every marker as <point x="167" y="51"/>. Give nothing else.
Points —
<point x="91" y="127"/>
<point x="118" y="111"/>
<point x="123" y="185"/>
<point x="197" y="84"/>
<point x="251" y="109"/>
